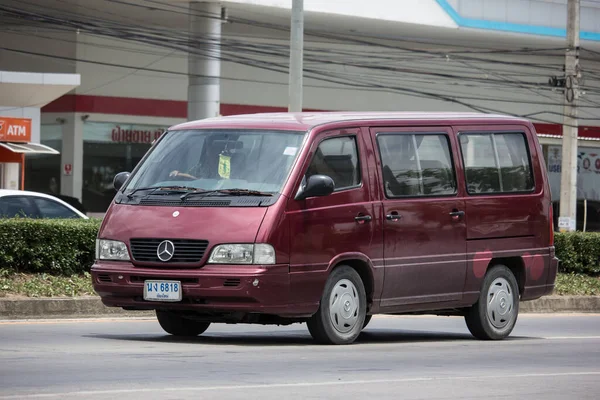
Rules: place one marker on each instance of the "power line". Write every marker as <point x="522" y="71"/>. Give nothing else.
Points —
<point x="183" y="44"/>
<point x="328" y="77"/>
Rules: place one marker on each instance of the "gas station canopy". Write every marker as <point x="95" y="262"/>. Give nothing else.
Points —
<point x="29" y="89"/>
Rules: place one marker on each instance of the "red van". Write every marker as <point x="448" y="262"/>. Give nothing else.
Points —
<point x="330" y="218"/>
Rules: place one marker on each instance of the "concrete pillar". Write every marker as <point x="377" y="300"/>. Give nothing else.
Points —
<point x="204" y="64"/>
<point x="72" y="153"/>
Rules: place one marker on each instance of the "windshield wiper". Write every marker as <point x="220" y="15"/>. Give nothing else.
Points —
<point x="231" y="192"/>
<point x="169" y="189"/>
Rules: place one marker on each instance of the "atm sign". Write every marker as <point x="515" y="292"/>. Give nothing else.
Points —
<point x="15" y="130"/>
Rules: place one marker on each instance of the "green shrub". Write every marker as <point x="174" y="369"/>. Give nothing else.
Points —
<point x="66" y="247"/>
<point x="578" y="252"/>
<point x="59" y="247"/>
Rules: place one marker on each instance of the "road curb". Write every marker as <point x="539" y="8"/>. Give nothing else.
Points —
<point x="82" y="307"/>
<point x="78" y="307"/>
<point x="562" y="304"/>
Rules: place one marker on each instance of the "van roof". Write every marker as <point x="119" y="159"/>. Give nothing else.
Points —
<point x="306" y="120"/>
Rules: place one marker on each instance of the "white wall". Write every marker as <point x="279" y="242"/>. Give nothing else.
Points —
<point x="103" y="80"/>
<point x="38" y="41"/>
<point x="242" y="84"/>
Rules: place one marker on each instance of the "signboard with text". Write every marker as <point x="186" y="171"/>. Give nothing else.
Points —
<point x="588" y="172"/>
<point x="102" y="132"/>
<point x="15" y="130"/>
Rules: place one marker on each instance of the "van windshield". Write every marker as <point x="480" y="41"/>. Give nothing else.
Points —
<point x="250" y="159"/>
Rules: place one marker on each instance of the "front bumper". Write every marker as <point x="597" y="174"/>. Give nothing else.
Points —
<point x="210" y="289"/>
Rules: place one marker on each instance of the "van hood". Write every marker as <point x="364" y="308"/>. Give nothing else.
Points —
<point x="214" y="224"/>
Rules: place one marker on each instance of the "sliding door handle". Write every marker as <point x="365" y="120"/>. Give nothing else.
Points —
<point x="456" y="214"/>
<point x="393" y="216"/>
<point x="361" y="219"/>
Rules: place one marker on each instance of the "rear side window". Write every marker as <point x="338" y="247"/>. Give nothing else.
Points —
<point x="52" y="209"/>
<point x="16" y="207"/>
<point x="416" y="165"/>
<point x="496" y="163"/>
<point x="337" y="158"/>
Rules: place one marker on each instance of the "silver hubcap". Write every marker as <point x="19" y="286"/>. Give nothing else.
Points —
<point x="500" y="306"/>
<point x="343" y="306"/>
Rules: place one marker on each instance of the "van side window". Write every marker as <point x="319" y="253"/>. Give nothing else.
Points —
<point x="416" y="165"/>
<point x="337" y="158"/>
<point x="496" y="162"/>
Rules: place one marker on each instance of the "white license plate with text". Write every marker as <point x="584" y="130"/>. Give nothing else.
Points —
<point x="162" y="290"/>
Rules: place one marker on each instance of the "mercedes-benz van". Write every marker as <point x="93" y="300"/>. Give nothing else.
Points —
<point x="330" y="218"/>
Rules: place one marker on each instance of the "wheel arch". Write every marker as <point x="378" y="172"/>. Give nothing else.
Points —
<point x="516" y="265"/>
<point x="363" y="266"/>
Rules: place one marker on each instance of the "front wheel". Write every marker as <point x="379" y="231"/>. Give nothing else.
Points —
<point x="342" y="309"/>
<point x="178" y="326"/>
<point x="495" y="314"/>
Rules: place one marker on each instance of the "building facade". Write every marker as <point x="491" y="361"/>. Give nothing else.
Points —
<point x="144" y="69"/>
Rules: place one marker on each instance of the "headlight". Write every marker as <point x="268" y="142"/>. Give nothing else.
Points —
<point x="243" y="254"/>
<point x="111" y="250"/>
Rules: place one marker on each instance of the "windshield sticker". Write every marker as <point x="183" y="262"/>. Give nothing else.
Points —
<point x="290" y="151"/>
<point x="224" y="166"/>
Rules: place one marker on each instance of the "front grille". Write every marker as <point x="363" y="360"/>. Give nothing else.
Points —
<point x="186" y="251"/>
<point x="104" y="278"/>
<point x="231" y="282"/>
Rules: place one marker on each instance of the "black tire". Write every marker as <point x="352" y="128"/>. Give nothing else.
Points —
<point x="178" y="326"/>
<point x="367" y="320"/>
<point x="350" y="319"/>
<point x="503" y="310"/>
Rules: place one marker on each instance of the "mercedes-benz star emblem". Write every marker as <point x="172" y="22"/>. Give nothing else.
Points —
<point x="165" y="250"/>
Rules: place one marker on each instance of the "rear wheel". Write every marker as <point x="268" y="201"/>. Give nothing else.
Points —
<point x="178" y="326"/>
<point x="342" y="310"/>
<point x="495" y="314"/>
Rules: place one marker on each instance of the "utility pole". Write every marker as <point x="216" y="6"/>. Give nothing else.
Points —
<point x="568" y="179"/>
<point x="296" y="56"/>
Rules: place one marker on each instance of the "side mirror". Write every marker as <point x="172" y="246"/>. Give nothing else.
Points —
<point x="120" y="180"/>
<point x="316" y="186"/>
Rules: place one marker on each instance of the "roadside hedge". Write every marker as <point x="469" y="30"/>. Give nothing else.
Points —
<point x="578" y="252"/>
<point x="60" y="247"/>
<point x="66" y="247"/>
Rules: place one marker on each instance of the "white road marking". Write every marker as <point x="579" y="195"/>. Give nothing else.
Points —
<point x="572" y="337"/>
<point x="74" y="320"/>
<point x="292" y="385"/>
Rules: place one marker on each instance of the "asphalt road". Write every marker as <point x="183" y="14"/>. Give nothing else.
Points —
<point x="547" y="357"/>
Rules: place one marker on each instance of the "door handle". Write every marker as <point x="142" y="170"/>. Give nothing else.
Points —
<point x="361" y="219"/>
<point x="456" y="215"/>
<point x="393" y="216"/>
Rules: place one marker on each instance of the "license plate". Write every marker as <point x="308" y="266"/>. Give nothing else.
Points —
<point x="162" y="290"/>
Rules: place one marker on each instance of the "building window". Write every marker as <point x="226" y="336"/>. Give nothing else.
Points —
<point x="110" y="148"/>
<point x="496" y="163"/>
<point x="416" y="165"/>
<point x="42" y="171"/>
